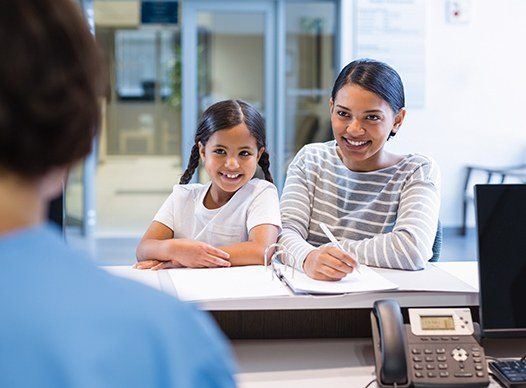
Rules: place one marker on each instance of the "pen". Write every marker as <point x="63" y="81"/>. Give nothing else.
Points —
<point x="331" y="237"/>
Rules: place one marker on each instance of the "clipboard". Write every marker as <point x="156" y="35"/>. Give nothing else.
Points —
<point x="283" y="265"/>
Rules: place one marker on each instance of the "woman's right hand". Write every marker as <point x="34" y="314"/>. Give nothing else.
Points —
<point x="197" y="254"/>
<point x="328" y="263"/>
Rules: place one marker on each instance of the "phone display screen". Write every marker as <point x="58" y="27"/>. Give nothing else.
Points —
<point x="436" y="322"/>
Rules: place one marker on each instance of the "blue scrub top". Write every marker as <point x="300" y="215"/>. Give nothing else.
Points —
<point x="64" y="322"/>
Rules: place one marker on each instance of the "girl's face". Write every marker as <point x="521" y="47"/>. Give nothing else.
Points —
<point x="361" y="124"/>
<point x="230" y="157"/>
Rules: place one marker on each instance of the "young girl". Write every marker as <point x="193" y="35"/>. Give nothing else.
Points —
<point x="233" y="218"/>
<point x="382" y="207"/>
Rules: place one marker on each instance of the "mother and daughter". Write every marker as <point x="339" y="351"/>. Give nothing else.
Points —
<point x="382" y="207"/>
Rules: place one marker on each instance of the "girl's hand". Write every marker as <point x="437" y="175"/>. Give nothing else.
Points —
<point x="154" y="265"/>
<point x="197" y="254"/>
<point x="328" y="263"/>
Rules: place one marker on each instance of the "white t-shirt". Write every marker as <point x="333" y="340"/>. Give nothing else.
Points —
<point x="254" y="204"/>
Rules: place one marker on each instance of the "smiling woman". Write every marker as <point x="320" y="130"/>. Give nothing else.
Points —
<point x="382" y="207"/>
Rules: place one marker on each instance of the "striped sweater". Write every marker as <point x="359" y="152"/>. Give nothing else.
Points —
<point x="383" y="218"/>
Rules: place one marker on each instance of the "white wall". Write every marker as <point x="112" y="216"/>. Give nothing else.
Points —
<point x="475" y="95"/>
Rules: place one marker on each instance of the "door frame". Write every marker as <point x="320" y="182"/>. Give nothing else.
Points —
<point x="190" y="10"/>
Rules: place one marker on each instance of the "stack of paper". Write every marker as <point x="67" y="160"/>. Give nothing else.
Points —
<point x="149" y="278"/>
<point x="367" y="281"/>
<point x="226" y="283"/>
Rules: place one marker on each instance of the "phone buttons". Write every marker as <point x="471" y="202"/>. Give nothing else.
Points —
<point x="441" y="351"/>
<point x="478" y="367"/>
<point x="442" y="366"/>
<point x="444" y="374"/>
<point x="430" y="366"/>
<point x="441" y="358"/>
<point x="459" y="354"/>
<point x="480" y="374"/>
<point x="416" y="351"/>
<point x="463" y="374"/>
<point x="417" y="359"/>
<point x="418" y="374"/>
<point x="428" y="351"/>
<point x="431" y="374"/>
<point x="418" y="367"/>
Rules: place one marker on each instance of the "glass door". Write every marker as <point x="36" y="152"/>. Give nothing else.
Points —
<point x="228" y="53"/>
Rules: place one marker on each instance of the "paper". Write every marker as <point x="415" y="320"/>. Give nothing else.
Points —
<point x="147" y="277"/>
<point x="367" y="281"/>
<point x="431" y="279"/>
<point x="467" y="271"/>
<point x="198" y="284"/>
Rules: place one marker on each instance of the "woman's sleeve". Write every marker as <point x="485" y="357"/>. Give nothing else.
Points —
<point x="409" y="245"/>
<point x="295" y="211"/>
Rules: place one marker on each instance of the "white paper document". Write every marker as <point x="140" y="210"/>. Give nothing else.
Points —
<point x="367" y="281"/>
<point x="253" y="281"/>
<point x="147" y="277"/>
<point x="432" y="279"/>
<point x="467" y="271"/>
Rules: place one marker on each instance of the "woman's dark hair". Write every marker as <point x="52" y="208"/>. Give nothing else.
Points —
<point x="223" y="115"/>
<point x="50" y="85"/>
<point x="376" y="77"/>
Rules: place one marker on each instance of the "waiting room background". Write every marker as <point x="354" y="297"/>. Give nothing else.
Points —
<point x="288" y="53"/>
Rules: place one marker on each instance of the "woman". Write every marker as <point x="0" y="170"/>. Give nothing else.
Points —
<point x="382" y="207"/>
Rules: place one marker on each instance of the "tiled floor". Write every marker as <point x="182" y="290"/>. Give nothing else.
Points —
<point x="121" y="251"/>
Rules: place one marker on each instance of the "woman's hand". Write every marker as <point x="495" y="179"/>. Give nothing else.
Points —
<point x="328" y="263"/>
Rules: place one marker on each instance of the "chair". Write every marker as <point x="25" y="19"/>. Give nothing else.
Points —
<point x="437" y="244"/>
<point x="518" y="172"/>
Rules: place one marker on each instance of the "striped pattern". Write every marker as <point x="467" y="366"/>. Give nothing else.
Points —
<point x="384" y="218"/>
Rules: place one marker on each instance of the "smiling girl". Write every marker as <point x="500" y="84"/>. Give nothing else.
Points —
<point x="382" y="207"/>
<point x="231" y="219"/>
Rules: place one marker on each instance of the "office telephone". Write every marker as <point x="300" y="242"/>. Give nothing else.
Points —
<point x="436" y="349"/>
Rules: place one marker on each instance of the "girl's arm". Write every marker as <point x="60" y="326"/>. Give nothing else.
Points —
<point x="158" y="244"/>
<point x="252" y="252"/>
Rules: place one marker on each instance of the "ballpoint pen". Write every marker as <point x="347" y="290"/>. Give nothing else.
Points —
<point x="331" y="237"/>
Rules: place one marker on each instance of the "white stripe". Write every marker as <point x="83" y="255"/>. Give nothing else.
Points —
<point x="411" y="244"/>
<point x="294" y="201"/>
<point x="376" y="201"/>
<point x="366" y="210"/>
<point x="348" y="218"/>
<point x="347" y="188"/>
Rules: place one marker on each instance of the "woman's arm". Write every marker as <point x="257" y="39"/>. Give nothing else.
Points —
<point x="295" y="211"/>
<point x="409" y="245"/>
<point x="252" y="252"/>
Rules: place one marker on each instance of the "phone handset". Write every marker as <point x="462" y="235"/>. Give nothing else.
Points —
<point x="390" y="344"/>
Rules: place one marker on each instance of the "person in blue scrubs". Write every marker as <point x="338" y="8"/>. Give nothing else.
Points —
<point x="63" y="321"/>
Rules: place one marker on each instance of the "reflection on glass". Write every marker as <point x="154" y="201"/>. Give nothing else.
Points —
<point x="310" y="71"/>
<point x="139" y="156"/>
<point x="230" y="59"/>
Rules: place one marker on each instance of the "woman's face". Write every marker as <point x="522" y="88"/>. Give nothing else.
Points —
<point x="361" y="124"/>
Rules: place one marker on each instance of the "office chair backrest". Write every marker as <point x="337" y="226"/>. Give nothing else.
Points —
<point x="437" y="244"/>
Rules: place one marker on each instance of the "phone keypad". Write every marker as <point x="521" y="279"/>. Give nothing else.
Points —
<point x="447" y="359"/>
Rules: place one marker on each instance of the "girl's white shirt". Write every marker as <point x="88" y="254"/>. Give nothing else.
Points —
<point x="256" y="203"/>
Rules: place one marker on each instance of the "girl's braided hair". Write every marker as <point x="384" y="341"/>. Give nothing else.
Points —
<point x="223" y="115"/>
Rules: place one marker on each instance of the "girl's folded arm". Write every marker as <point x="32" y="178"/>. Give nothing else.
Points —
<point x="154" y="245"/>
<point x="252" y="252"/>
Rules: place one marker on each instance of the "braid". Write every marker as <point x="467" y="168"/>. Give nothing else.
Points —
<point x="192" y="165"/>
<point x="264" y="163"/>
